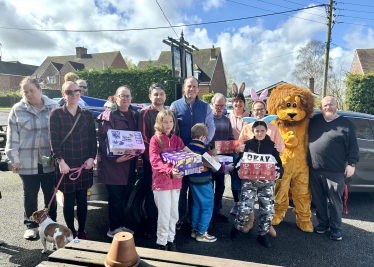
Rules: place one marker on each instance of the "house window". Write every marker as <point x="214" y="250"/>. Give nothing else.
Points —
<point x="196" y="74"/>
<point x="51" y="79"/>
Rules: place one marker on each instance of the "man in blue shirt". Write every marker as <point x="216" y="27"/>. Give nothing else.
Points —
<point x="191" y="110"/>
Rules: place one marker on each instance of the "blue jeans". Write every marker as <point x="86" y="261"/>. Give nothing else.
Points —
<point x="203" y="197"/>
<point x="219" y="179"/>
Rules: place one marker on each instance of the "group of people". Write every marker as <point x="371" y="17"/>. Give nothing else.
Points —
<point x="37" y="126"/>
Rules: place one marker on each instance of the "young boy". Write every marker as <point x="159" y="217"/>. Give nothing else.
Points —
<point x="202" y="188"/>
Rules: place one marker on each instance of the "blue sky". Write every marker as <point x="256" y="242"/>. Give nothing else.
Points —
<point x="251" y="48"/>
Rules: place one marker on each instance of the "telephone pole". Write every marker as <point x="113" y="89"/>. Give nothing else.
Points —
<point x="327" y="50"/>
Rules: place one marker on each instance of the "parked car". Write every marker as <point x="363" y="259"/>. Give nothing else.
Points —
<point x="363" y="178"/>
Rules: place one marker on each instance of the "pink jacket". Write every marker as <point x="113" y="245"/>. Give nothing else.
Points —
<point x="272" y="131"/>
<point x="237" y="123"/>
<point x="161" y="177"/>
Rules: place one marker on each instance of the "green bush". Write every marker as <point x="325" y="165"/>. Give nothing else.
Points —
<point x="13" y="94"/>
<point x="104" y="83"/>
<point x="359" y="94"/>
<point x="208" y="97"/>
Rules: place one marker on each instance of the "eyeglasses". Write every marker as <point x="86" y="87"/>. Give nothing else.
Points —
<point x="219" y="106"/>
<point x="84" y="87"/>
<point x="75" y="92"/>
<point x="125" y="97"/>
<point x="259" y="110"/>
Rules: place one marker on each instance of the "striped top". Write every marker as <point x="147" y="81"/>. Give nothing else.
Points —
<point x="205" y="176"/>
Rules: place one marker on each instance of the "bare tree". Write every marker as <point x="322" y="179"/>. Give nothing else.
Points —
<point x="336" y="87"/>
<point x="230" y="78"/>
<point x="311" y="64"/>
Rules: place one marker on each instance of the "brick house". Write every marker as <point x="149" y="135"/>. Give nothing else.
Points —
<point x="363" y="61"/>
<point x="208" y="69"/>
<point x="12" y="73"/>
<point x="52" y="71"/>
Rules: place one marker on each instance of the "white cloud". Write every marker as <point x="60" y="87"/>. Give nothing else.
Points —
<point x="210" y="4"/>
<point x="245" y="49"/>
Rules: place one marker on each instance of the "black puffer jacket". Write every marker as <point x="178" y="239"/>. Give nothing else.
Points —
<point x="265" y="146"/>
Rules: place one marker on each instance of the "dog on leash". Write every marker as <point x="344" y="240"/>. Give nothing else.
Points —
<point x="51" y="231"/>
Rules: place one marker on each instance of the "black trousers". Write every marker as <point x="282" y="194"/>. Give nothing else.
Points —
<point x="219" y="180"/>
<point x="80" y="196"/>
<point x="150" y="205"/>
<point x="116" y="205"/>
<point x="328" y="185"/>
<point x="31" y="186"/>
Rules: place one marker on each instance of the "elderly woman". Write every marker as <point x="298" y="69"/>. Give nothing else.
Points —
<point x="115" y="172"/>
<point x="237" y="124"/>
<point x="79" y="148"/>
<point x="28" y="142"/>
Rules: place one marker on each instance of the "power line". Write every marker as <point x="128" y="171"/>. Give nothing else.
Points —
<point x="167" y="19"/>
<point x="358" y="24"/>
<point x="297" y="3"/>
<point x="273" y="11"/>
<point x="289" y="7"/>
<point x="349" y="50"/>
<point x="34" y="35"/>
<point x="344" y="3"/>
<point x="355" y="17"/>
<point x="355" y="10"/>
<point x="166" y="27"/>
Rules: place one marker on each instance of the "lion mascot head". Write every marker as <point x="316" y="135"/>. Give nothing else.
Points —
<point x="292" y="104"/>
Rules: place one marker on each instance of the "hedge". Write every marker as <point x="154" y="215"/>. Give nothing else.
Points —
<point x="359" y="93"/>
<point x="104" y="83"/>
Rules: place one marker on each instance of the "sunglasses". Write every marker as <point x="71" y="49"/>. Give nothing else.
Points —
<point x="75" y="92"/>
<point x="84" y="87"/>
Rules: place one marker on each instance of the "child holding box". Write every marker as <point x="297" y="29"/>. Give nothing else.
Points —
<point x="166" y="180"/>
<point x="260" y="144"/>
<point x="202" y="188"/>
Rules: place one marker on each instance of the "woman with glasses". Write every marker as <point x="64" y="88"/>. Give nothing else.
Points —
<point x="258" y="112"/>
<point x="79" y="148"/>
<point x="115" y="172"/>
<point x="236" y="118"/>
<point x="28" y="142"/>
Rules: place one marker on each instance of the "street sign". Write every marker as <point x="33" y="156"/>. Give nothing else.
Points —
<point x="189" y="64"/>
<point x="176" y="62"/>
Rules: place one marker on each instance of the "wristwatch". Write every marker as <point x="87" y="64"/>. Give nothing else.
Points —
<point x="353" y="165"/>
<point x="59" y="160"/>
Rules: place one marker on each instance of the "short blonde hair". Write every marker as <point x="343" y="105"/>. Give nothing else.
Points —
<point x="199" y="130"/>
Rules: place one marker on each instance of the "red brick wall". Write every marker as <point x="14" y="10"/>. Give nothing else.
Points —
<point x="203" y="90"/>
<point x="356" y="66"/>
<point x="51" y="71"/>
<point x="218" y="83"/>
<point x="119" y="63"/>
<point x="10" y="83"/>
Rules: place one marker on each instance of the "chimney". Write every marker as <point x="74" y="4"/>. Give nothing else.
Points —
<point x="311" y="84"/>
<point x="80" y="51"/>
<point x="212" y="53"/>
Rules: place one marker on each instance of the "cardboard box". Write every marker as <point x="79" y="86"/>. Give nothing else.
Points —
<point x="186" y="162"/>
<point x="209" y="162"/>
<point x="226" y="147"/>
<point x="257" y="170"/>
<point x="225" y="160"/>
<point x="121" y="143"/>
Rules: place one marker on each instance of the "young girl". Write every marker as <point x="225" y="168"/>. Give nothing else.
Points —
<point x="260" y="144"/>
<point x="166" y="181"/>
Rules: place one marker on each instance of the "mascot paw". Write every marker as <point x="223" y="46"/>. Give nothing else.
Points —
<point x="305" y="226"/>
<point x="277" y="220"/>
<point x="290" y="139"/>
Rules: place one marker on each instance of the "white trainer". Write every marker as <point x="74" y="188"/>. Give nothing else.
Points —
<point x="31" y="233"/>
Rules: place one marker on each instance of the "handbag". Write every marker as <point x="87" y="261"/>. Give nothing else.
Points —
<point x="51" y="161"/>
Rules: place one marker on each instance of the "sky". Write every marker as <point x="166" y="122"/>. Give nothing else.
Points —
<point x="260" y="51"/>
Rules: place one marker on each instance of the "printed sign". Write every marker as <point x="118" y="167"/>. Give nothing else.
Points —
<point x="121" y="143"/>
<point x="176" y="62"/>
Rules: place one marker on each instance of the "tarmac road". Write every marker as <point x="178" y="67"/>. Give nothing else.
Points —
<point x="291" y="247"/>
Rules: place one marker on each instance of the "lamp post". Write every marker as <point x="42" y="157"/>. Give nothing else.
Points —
<point x="182" y="61"/>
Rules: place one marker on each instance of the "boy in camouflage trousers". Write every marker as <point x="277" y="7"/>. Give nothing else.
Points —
<point x="260" y="144"/>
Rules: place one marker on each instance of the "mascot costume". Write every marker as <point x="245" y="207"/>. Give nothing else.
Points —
<point x="294" y="107"/>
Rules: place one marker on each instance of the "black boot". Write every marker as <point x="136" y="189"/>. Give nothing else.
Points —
<point x="163" y="247"/>
<point x="234" y="233"/>
<point x="263" y="240"/>
<point x="172" y="246"/>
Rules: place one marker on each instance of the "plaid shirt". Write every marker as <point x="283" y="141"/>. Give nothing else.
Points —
<point x="78" y="147"/>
